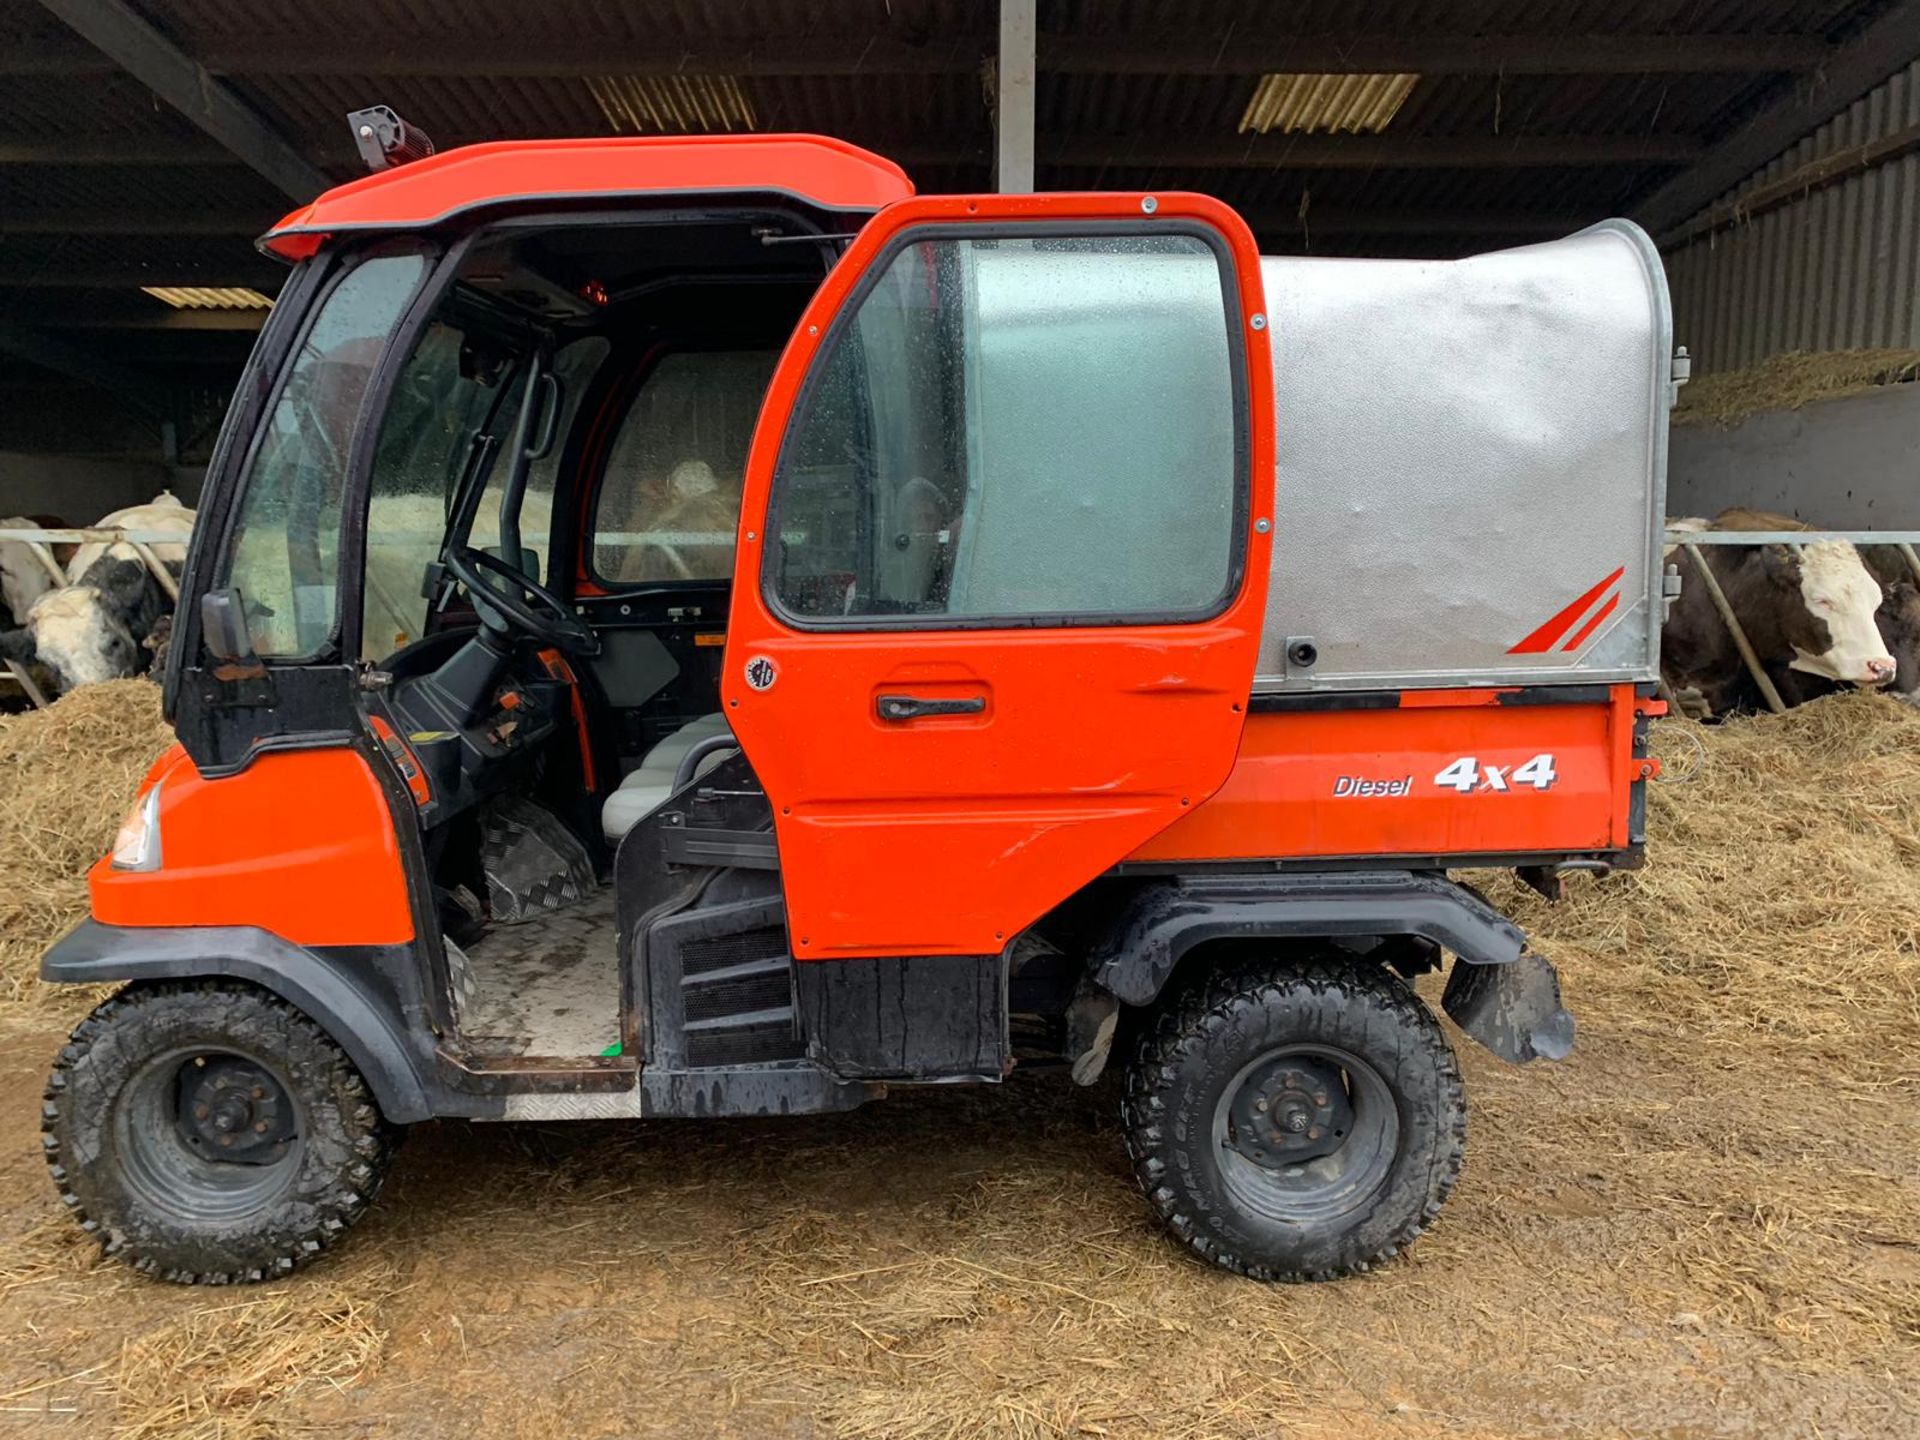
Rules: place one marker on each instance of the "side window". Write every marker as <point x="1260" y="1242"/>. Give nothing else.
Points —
<point x="1028" y="429"/>
<point x="285" y="559"/>
<point x="669" y="504"/>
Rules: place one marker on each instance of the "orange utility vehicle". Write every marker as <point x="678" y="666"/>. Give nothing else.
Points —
<point x="686" y="627"/>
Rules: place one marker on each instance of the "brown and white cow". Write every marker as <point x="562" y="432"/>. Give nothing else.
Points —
<point x="1806" y="608"/>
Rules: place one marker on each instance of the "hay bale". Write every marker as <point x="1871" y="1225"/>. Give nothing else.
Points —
<point x="1786" y="382"/>
<point x="67" y="775"/>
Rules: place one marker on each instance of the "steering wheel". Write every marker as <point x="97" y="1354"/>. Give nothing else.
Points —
<point x="551" y="619"/>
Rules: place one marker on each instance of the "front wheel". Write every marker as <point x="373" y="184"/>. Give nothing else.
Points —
<point x="211" y="1133"/>
<point x="1296" y="1121"/>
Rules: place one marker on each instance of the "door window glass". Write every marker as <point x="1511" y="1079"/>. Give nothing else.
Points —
<point x="670" y="502"/>
<point x="1029" y="429"/>
<point x="286" y="552"/>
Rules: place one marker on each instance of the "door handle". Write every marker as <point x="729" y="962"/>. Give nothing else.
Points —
<point x="912" y="707"/>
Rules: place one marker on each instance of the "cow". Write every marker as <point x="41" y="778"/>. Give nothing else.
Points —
<point x="1807" y="608"/>
<point x="94" y="631"/>
<point x="163" y="514"/>
<point x="98" y="626"/>
<point x="24" y="575"/>
<point x="683" y="526"/>
<point x="1898" y="619"/>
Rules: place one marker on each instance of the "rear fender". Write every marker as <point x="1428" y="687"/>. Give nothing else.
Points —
<point x="343" y="991"/>
<point x="1513" y="1008"/>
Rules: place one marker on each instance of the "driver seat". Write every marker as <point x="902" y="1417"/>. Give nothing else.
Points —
<point x="645" y="789"/>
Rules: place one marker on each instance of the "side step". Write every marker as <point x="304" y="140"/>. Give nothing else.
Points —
<point x="740" y="1013"/>
<point x="720" y="988"/>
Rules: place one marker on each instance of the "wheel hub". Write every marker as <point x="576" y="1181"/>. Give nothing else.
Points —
<point x="1290" y="1111"/>
<point x="231" y="1109"/>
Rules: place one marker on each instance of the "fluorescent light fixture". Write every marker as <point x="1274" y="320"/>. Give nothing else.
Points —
<point x="1312" y="104"/>
<point x="209" y="297"/>
<point x="672" y="104"/>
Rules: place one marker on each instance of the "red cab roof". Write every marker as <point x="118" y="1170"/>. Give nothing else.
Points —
<point x="823" y="172"/>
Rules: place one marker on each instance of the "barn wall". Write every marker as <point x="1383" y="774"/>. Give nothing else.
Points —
<point x="81" y="489"/>
<point x="1836" y="269"/>
<point x="1844" y="464"/>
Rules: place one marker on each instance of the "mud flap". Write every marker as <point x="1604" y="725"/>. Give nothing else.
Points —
<point x="1513" y="1009"/>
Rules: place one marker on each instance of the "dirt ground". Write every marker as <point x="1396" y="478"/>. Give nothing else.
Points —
<point x="1706" y="1223"/>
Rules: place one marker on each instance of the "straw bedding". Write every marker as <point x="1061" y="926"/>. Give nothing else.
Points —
<point x="1786" y="382"/>
<point x="1704" y="1223"/>
<point x="67" y="776"/>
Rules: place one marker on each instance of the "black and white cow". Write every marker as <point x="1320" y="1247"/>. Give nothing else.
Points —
<point x="99" y="626"/>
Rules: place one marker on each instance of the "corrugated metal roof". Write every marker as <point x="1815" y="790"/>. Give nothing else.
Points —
<point x="906" y="80"/>
<point x="208" y="297"/>
<point x="1313" y="104"/>
<point x="671" y="104"/>
<point x="1837" y="269"/>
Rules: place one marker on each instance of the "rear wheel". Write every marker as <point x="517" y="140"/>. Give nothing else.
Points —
<point x="1296" y="1121"/>
<point x="211" y="1133"/>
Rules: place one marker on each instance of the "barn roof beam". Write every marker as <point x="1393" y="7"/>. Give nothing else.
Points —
<point x="152" y="317"/>
<point x="78" y="363"/>
<point x="112" y="150"/>
<point x="1368" y="152"/>
<point x="1463" y="224"/>
<point x="1251" y="52"/>
<point x="102" y="220"/>
<point x="1256" y="53"/>
<point x="1259" y="152"/>
<point x="239" y="269"/>
<point x="1883" y="48"/>
<point x="183" y="83"/>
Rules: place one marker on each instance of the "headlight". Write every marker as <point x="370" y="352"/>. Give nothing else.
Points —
<point x="137" y="846"/>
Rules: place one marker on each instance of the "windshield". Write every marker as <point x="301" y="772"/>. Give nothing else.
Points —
<point x="461" y="384"/>
<point x="286" y="547"/>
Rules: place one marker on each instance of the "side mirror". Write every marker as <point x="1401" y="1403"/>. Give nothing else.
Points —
<point x="223" y="625"/>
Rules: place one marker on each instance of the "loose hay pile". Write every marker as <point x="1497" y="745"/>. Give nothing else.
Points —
<point x="1782" y="894"/>
<point x="67" y="775"/>
<point x="1786" y="382"/>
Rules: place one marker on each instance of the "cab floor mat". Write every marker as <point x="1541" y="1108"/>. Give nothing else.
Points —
<point x="533" y="864"/>
<point x="548" y="988"/>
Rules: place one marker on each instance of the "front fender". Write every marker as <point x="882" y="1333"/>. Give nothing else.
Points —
<point x="343" y="991"/>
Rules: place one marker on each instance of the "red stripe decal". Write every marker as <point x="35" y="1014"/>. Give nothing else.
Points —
<point x="1580" y="635"/>
<point x="1549" y="634"/>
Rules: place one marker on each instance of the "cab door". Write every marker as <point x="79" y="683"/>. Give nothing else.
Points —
<point x="1003" y="559"/>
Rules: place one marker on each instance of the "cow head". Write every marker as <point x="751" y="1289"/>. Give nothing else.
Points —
<point x="81" y="638"/>
<point x="1899" y="621"/>
<point x="1828" y="611"/>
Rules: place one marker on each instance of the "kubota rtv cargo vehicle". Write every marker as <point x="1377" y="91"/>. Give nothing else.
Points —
<point x="685" y="627"/>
